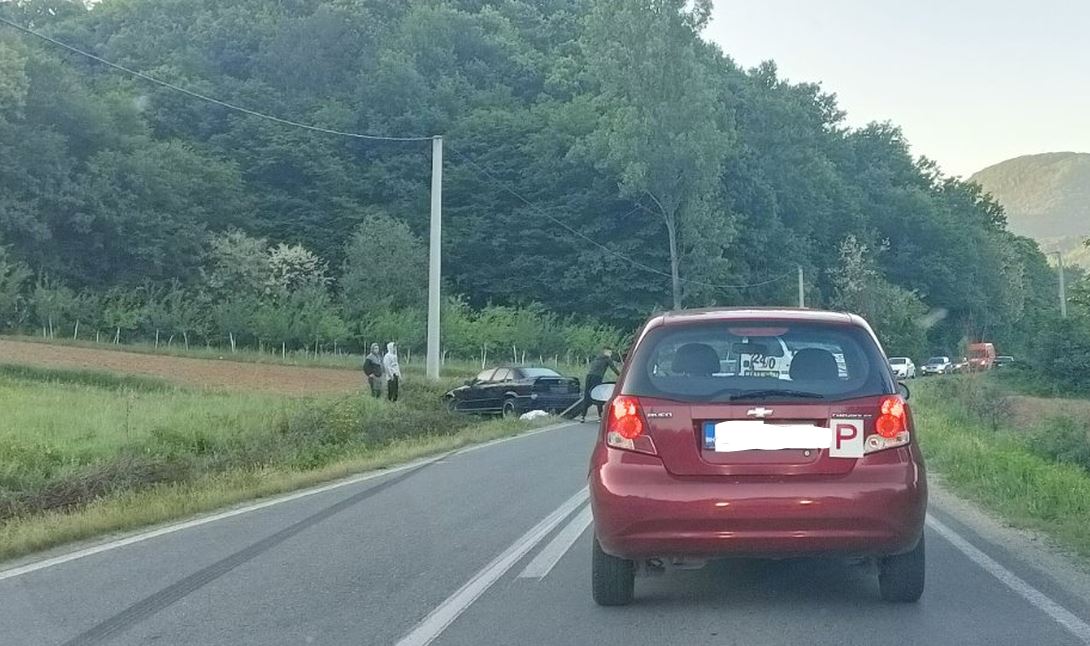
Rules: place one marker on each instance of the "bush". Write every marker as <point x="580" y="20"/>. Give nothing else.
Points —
<point x="1063" y="439"/>
<point x="1060" y="354"/>
<point x="983" y="399"/>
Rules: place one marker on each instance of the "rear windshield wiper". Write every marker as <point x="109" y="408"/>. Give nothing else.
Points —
<point x="768" y="394"/>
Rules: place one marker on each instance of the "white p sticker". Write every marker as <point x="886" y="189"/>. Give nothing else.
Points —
<point x="847" y="438"/>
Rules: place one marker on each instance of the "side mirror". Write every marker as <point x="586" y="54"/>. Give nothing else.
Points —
<point x="601" y="393"/>
<point x="903" y="390"/>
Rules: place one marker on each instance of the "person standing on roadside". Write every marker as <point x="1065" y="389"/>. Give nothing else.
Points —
<point x="596" y="372"/>
<point x="392" y="370"/>
<point x="372" y="369"/>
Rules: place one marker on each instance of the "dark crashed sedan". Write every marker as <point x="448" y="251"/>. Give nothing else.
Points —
<point x="514" y="391"/>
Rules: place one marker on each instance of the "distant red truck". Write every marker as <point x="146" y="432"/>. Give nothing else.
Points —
<point x="981" y="357"/>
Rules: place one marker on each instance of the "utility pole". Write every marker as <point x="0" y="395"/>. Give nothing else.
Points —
<point x="802" y="289"/>
<point x="1063" y="286"/>
<point x="434" y="256"/>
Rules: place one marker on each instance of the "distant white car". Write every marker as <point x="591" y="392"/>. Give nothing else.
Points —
<point x="903" y="368"/>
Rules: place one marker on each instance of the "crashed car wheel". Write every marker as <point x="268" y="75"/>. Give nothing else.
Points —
<point x="509" y="410"/>
<point x="452" y="405"/>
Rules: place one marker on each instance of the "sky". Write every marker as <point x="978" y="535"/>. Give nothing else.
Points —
<point x="970" y="82"/>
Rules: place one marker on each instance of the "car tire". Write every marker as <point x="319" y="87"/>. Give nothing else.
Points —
<point x="509" y="409"/>
<point x="901" y="577"/>
<point x="613" y="579"/>
<point x="452" y="405"/>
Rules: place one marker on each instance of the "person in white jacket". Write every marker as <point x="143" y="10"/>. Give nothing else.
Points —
<point x="392" y="371"/>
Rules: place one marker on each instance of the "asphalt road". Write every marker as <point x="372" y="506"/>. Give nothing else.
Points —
<point x="492" y="546"/>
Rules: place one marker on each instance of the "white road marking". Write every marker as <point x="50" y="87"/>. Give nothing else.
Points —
<point x="204" y="520"/>
<point x="548" y="557"/>
<point x="1038" y="599"/>
<point x="438" y="619"/>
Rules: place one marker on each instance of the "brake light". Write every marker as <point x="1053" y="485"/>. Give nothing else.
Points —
<point x="626" y="428"/>
<point x="890" y="428"/>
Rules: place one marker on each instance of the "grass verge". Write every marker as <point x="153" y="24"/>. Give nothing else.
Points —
<point x="166" y="502"/>
<point x="87" y="453"/>
<point x="1008" y="470"/>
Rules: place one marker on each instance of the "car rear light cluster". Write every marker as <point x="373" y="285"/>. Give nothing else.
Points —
<point x="890" y="427"/>
<point x="626" y="427"/>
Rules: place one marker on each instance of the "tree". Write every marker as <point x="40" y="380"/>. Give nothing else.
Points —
<point x="13" y="276"/>
<point x="662" y="129"/>
<point x="238" y="265"/>
<point x="52" y="303"/>
<point x="385" y="267"/>
<point x="293" y="267"/>
<point x="896" y="314"/>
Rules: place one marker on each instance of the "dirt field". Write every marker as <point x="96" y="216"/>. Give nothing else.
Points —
<point x="1028" y="411"/>
<point x="288" y="380"/>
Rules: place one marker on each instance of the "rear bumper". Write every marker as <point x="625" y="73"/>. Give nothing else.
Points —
<point x="641" y="511"/>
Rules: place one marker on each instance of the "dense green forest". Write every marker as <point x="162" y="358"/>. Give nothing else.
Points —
<point x="602" y="162"/>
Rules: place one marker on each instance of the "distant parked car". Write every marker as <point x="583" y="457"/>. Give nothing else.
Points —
<point x="903" y="368"/>
<point x="937" y="366"/>
<point x="514" y="391"/>
<point x="961" y="366"/>
<point x="1004" y="361"/>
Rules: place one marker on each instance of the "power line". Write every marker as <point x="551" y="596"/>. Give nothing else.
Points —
<point x="635" y="263"/>
<point x="203" y="97"/>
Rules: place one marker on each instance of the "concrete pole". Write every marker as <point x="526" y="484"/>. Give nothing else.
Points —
<point x="802" y="289"/>
<point x="1063" y="285"/>
<point x="434" y="257"/>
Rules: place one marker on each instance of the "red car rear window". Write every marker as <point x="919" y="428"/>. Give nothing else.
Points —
<point x="719" y="361"/>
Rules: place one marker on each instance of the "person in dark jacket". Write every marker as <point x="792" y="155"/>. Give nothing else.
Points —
<point x="596" y="372"/>
<point x="372" y="369"/>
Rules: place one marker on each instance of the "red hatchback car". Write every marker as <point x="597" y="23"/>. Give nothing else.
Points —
<point x="756" y="433"/>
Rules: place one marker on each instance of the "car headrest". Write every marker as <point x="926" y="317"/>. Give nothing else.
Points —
<point x="695" y="360"/>
<point x="814" y="364"/>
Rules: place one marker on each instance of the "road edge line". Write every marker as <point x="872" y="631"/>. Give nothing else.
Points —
<point x="1016" y="584"/>
<point x="140" y="537"/>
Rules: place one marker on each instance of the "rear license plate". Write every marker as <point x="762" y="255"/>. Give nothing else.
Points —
<point x="559" y="388"/>
<point x="843" y="440"/>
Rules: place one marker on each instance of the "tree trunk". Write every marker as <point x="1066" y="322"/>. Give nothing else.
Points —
<point x="675" y="278"/>
<point x="75" y="333"/>
<point x="117" y="336"/>
<point x="170" y="340"/>
<point x="185" y="335"/>
<point x="231" y="338"/>
<point x="156" y="338"/>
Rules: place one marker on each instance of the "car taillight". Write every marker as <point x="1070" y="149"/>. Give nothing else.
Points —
<point x="890" y="427"/>
<point x="626" y="428"/>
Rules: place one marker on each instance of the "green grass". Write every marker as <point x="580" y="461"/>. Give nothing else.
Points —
<point x="1002" y="469"/>
<point x="85" y="453"/>
<point x="97" y="378"/>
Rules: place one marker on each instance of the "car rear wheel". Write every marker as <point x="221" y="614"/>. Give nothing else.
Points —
<point x="509" y="410"/>
<point x="901" y="577"/>
<point x="452" y="404"/>
<point x="613" y="579"/>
